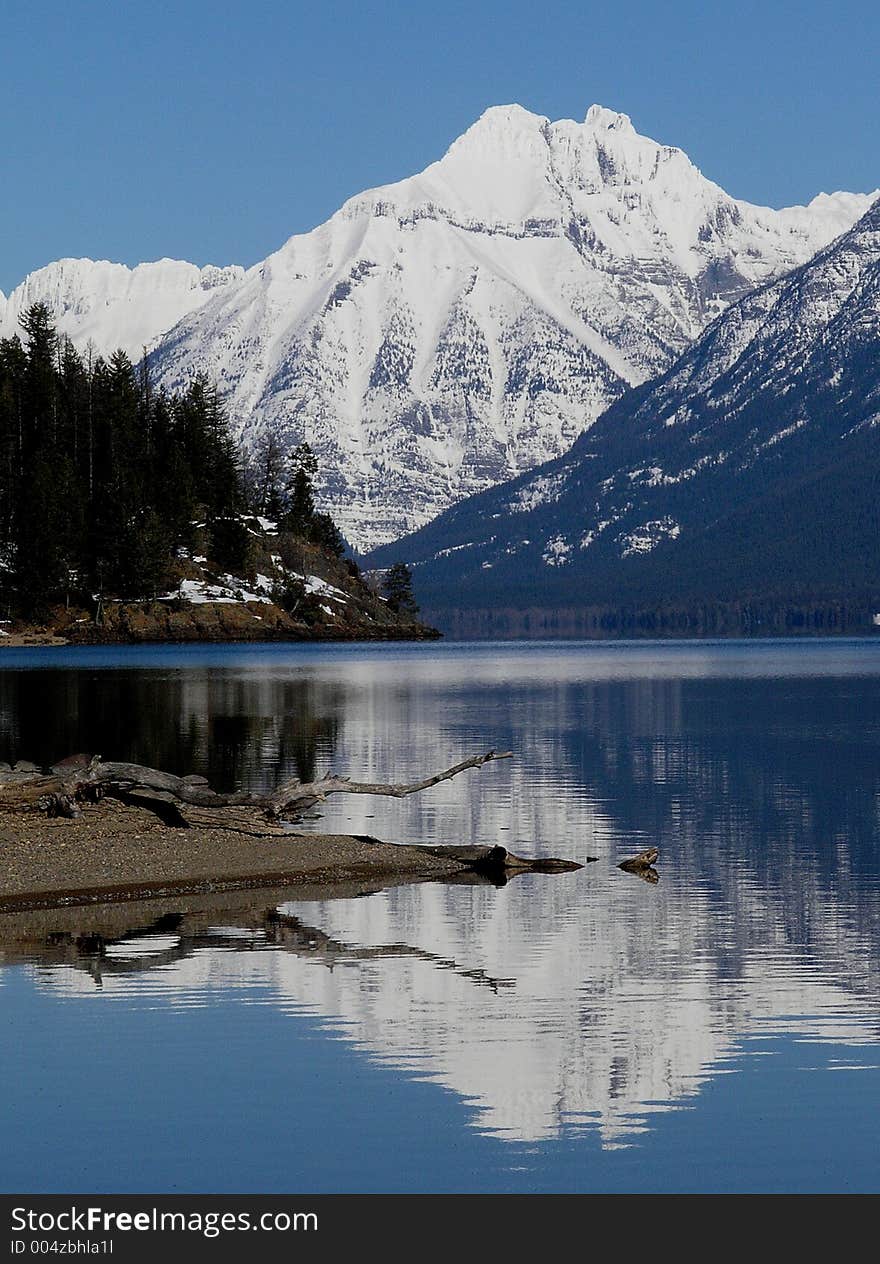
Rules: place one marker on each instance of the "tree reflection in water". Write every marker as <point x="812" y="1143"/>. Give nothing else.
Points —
<point x="237" y="730"/>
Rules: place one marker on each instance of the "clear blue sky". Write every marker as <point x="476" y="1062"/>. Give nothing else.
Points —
<point x="211" y="131"/>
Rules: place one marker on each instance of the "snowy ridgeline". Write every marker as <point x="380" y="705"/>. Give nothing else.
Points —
<point x="441" y="334"/>
<point x="114" y="307"/>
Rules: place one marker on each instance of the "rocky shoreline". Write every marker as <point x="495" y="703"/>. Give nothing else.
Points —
<point x="144" y="623"/>
<point x="293" y="591"/>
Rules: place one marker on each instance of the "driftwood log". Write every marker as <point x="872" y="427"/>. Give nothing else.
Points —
<point x="642" y="865"/>
<point x="82" y="779"/>
<point x="67" y="786"/>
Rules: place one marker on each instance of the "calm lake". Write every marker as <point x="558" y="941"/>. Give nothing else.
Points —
<point x="718" y="1030"/>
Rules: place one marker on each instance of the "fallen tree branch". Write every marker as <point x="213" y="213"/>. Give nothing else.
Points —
<point x="81" y="779"/>
<point x="310" y="793"/>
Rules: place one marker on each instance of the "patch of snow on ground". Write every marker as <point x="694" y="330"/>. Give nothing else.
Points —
<point x="646" y="538"/>
<point x="867" y="424"/>
<point x="315" y="585"/>
<point x="230" y="591"/>
<point x="556" y="551"/>
<point x="654" y="476"/>
<point x="589" y="536"/>
<point x="783" y="434"/>
<point x="455" y="548"/>
<point x="537" y="492"/>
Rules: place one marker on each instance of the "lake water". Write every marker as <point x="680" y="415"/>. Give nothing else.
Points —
<point x="717" y="1030"/>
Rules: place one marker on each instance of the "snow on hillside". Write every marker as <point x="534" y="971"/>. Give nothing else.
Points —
<point x="759" y="444"/>
<point x="439" y="335"/>
<point x="113" y="306"/>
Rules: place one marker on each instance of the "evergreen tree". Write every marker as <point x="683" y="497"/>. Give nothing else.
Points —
<point x="266" y="478"/>
<point x="301" y="517"/>
<point x="231" y="545"/>
<point x="397" y="590"/>
<point x="13" y="366"/>
<point x="40" y="398"/>
<point x="300" y="514"/>
<point x="325" y="533"/>
<point x="48" y="547"/>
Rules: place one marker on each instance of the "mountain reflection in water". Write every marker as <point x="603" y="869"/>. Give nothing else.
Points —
<point x="591" y="1002"/>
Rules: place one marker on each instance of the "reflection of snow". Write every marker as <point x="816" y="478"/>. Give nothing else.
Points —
<point x="614" y="1003"/>
<point x="611" y="1000"/>
<point x="141" y="946"/>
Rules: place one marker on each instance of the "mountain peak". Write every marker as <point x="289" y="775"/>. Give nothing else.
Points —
<point x="447" y="331"/>
<point x="747" y="470"/>
<point x="513" y="115"/>
<point x="499" y="128"/>
<point x="600" y="118"/>
<point x="507" y="121"/>
<point x="846" y="202"/>
<point x="114" y="305"/>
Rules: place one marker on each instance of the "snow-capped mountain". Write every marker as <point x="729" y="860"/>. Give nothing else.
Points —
<point x="750" y="467"/>
<point x="113" y="306"/>
<point x="439" y="335"/>
<point x="445" y="333"/>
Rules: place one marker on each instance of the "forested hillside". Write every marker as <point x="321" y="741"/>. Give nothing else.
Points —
<point x="102" y="478"/>
<point x="114" y="492"/>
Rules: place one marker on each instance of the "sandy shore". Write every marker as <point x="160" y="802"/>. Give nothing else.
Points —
<point x="115" y="853"/>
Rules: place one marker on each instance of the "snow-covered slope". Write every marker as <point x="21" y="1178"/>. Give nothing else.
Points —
<point x="749" y="468"/>
<point x="441" y="334"/>
<point x="113" y="306"/>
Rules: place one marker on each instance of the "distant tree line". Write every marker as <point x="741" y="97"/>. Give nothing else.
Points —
<point x="103" y="478"/>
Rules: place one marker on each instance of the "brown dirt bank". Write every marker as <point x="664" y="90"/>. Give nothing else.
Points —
<point x="159" y="622"/>
<point x="121" y="853"/>
<point x="31" y="637"/>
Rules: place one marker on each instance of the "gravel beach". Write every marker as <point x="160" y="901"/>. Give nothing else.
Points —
<point x="116" y="852"/>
